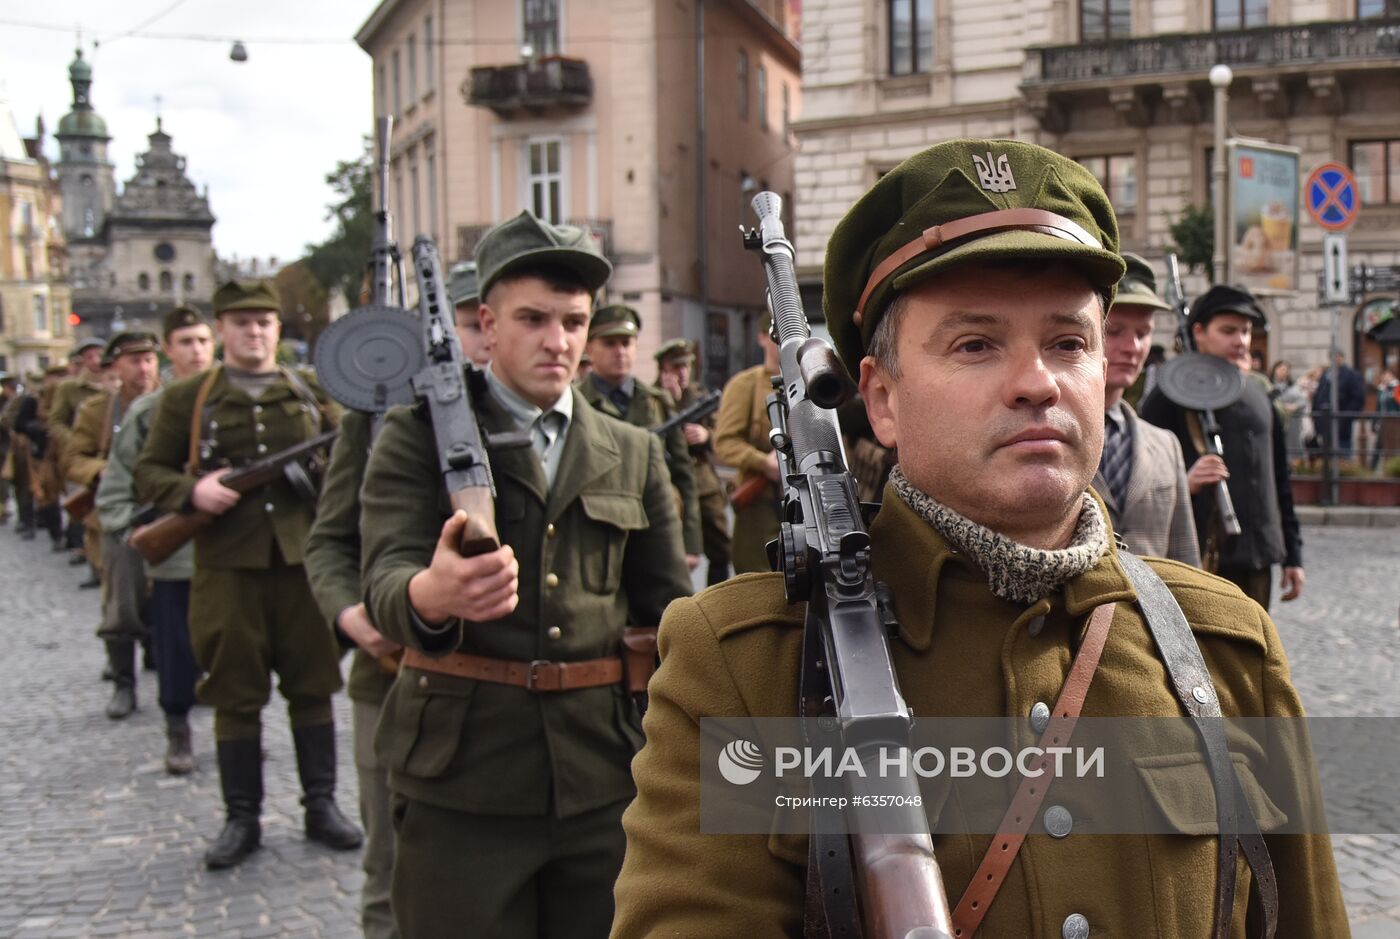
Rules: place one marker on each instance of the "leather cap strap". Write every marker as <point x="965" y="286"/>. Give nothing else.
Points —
<point x="1025" y="807"/>
<point x="984" y="223"/>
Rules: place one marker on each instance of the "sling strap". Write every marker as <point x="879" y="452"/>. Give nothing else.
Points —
<point x="197" y="418"/>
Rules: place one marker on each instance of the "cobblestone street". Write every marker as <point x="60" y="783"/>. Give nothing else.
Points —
<point x="96" y="840"/>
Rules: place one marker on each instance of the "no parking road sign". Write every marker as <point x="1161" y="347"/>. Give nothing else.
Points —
<point x="1331" y="196"/>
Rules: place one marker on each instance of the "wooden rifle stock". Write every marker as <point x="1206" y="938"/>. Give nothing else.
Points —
<point x="80" y="504"/>
<point x="747" y="493"/>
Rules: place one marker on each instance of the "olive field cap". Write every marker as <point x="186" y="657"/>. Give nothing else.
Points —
<point x="461" y="283"/>
<point x="526" y="241"/>
<point x="615" y="320"/>
<point x="132" y="340"/>
<point x="1223" y="298"/>
<point x="179" y="318"/>
<point x="961" y="202"/>
<point x="247" y="295"/>
<point x="92" y="342"/>
<point x="55" y="370"/>
<point x="1139" y="285"/>
<point x="678" y="351"/>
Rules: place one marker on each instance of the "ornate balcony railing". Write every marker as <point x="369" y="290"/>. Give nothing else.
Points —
<point x="535" y="87"/>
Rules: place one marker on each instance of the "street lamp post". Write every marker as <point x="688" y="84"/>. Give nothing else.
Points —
<point x="1220" y="77"/>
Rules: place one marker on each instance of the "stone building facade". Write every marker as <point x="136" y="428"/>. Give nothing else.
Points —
<point x="1122" y="86"/>
<point x="652" y="123"/>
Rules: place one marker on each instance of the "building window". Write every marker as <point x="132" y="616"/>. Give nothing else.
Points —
<point x="1376" y="164"/>
<point x="56" y="321"/>
<point x="787" y="109"/>
<point x="1241" y="14"/>
<point x="413" y="193"/>
<point x="2" y="316"/>
<point x="1368" y="9"/>
<point x="188" y="284"/>
<point x="743" y="85"/>
<point x="381" y="98"/>
<point x="428" y="54"/>
<point x="41" y="313"/>
<point x="398" y="85"/>
<point x="398" y="186"/>
<point x="411" y="46"/>
<point x="143" y="281"/>
<point x="1117" y="173"/>
<point x="432" y="195"/>
<point x="544" y="178"/>
<point x="1105" y="19"/>
<point x="911" y="36"/>
<point x="167" y="282"/>
<point x="541" y="26"/>
<point x="762" y="98"/>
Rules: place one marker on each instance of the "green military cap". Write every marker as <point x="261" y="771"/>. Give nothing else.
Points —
<point x="131" y="340"/>
<point x="247" y="295"/>
<point x="91" y="342"/>
<point x="526" y="241"/>
<point x="615" y="320"/>
<point x="955" y="203"/>
<point x="677" y="350"/>
<point x="179" y="318"/>
<point x="1139" y="284"/>
<point x="60" y="369"/>
<point x="461" y="283"/>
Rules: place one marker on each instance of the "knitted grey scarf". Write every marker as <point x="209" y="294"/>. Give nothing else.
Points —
<point x="1015" y="572"/>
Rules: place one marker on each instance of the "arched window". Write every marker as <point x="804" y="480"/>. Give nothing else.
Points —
<point x="189" y="283"/>
<point x="143" y="281"/>
<point x="167" y="283"/>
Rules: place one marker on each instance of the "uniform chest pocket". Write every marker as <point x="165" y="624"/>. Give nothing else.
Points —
<point x="609" y="518"/>
<point x="301" y="415"/>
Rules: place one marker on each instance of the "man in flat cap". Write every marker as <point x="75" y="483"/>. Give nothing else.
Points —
<point x="465" y="295"/>
<point x="509" y="731"/>
<point x="1255" y="465"/>
<point x="132" y="357"/>
<point x="1141" y="477"/>
<point x="675" y="363"/>
<point x="968" y="289"/>
<point x="188" y="342"/>
<point x="251" y="611"/>
<point x="614" y="390"/>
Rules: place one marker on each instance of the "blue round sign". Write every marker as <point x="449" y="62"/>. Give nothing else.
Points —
<point x="1331" y="196"/>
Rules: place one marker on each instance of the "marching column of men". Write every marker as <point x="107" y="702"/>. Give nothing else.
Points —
<point x="497" y="698"/>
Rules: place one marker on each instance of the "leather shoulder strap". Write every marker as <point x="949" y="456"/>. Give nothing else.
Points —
<point x="1190" y="680"/>
<point x="197" y="418"/>
<point x="109" y="416"/>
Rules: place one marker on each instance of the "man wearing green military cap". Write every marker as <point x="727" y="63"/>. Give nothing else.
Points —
<point x="462" y="290"/>
<point x="614" y="390"/>
<point x="85" y="380"/>
<point x="509" y="731"/>
<point x="251" y="610"/>
<point x="967" y="289"/>
<point x="1141" y="478"/>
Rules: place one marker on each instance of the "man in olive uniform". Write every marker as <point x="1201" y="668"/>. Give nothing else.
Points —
<point x="674" y="363"/>
<point x="189" y="345"/>
<point x="509" y="731"/>
<point x="741" y="441"/>
<point x="981" y="359"/>
<point x="16" y="419"/>
<point x="251" y="610"/>
<point x="9" y="391"/>
<point x="466" y="305"/>
<point x="614" y="390"/>
<point x="88" y="363"/>
<point x="125" y="622"/>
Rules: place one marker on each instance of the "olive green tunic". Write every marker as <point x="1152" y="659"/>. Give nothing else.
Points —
<point x="735" y="650"/>
<point x="741" y="441"/>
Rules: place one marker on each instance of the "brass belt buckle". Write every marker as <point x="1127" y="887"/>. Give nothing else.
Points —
<point x="532" y="677"/>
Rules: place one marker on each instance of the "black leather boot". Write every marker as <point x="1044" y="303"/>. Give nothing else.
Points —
<point x="325" y="822"/>
<point x="179" y="756"/>
<point x="121" y="659"/>
<point x="240" y="776"/>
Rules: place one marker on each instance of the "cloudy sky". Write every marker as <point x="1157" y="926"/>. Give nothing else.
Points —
<point x="261" y="134"/>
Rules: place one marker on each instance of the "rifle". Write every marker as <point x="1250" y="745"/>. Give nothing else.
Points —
<point x="824" y="553"/>
<point x="1224" y="517"/>
<point x="697" y="411"/>
<point x="80" y="504"/>
<point x="160" y="539"/>
<point x="746" y="493"/>
<point x="385" y="259"/>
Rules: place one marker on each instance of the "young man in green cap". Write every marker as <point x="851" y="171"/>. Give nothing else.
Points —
<point x="1255" y="464"/>
<point x="133" y="358"/>
<point x="1141" y="477"/>
<point x="675" y="361"/>
<point x="466" y="317"/>
<point x="510" y="728"/>
<point x="614" y="390"/>
<point x="251" y="610"/>
<point x="967" y="289"/>
<point x="189" y="345"/>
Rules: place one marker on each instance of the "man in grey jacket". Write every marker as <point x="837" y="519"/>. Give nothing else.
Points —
<point x="1142" y="476"/>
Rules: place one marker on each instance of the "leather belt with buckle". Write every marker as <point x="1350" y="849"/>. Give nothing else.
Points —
<point x="539" y="676"/>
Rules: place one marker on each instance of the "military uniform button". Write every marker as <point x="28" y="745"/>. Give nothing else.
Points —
<point x="422" y="681"/>
<point x="268" y="507"/>
<point x="262" y="448"/>
<point x="1035" y="626"/>
<point x="257" y="409"/>
<point x="554" y="632"/>
<point x="213" y="425"/>
<point x="1075" y="926"/>
<point x="1058" y="823"/>
<point x="1040" y="717"/>
<point x="259" y="428"/>
<point x="551" y="579"/>
<point x="549" y="531"/>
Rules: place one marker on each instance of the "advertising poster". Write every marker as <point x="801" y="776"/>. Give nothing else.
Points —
<point x="1263" y="214"/>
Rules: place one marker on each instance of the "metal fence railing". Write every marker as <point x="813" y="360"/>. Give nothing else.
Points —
<point x="1350" y="447"/>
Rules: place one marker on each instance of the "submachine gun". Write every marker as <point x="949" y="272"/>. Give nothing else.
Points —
<point x="1202" y="384"/>
<point x="850" y="693"/>
<point x="693" y="413"/>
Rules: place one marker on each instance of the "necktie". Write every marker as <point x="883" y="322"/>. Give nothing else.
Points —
<point x="1116" y="464"/>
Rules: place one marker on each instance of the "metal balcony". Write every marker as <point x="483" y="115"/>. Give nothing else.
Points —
<point x="549" y="84"/>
